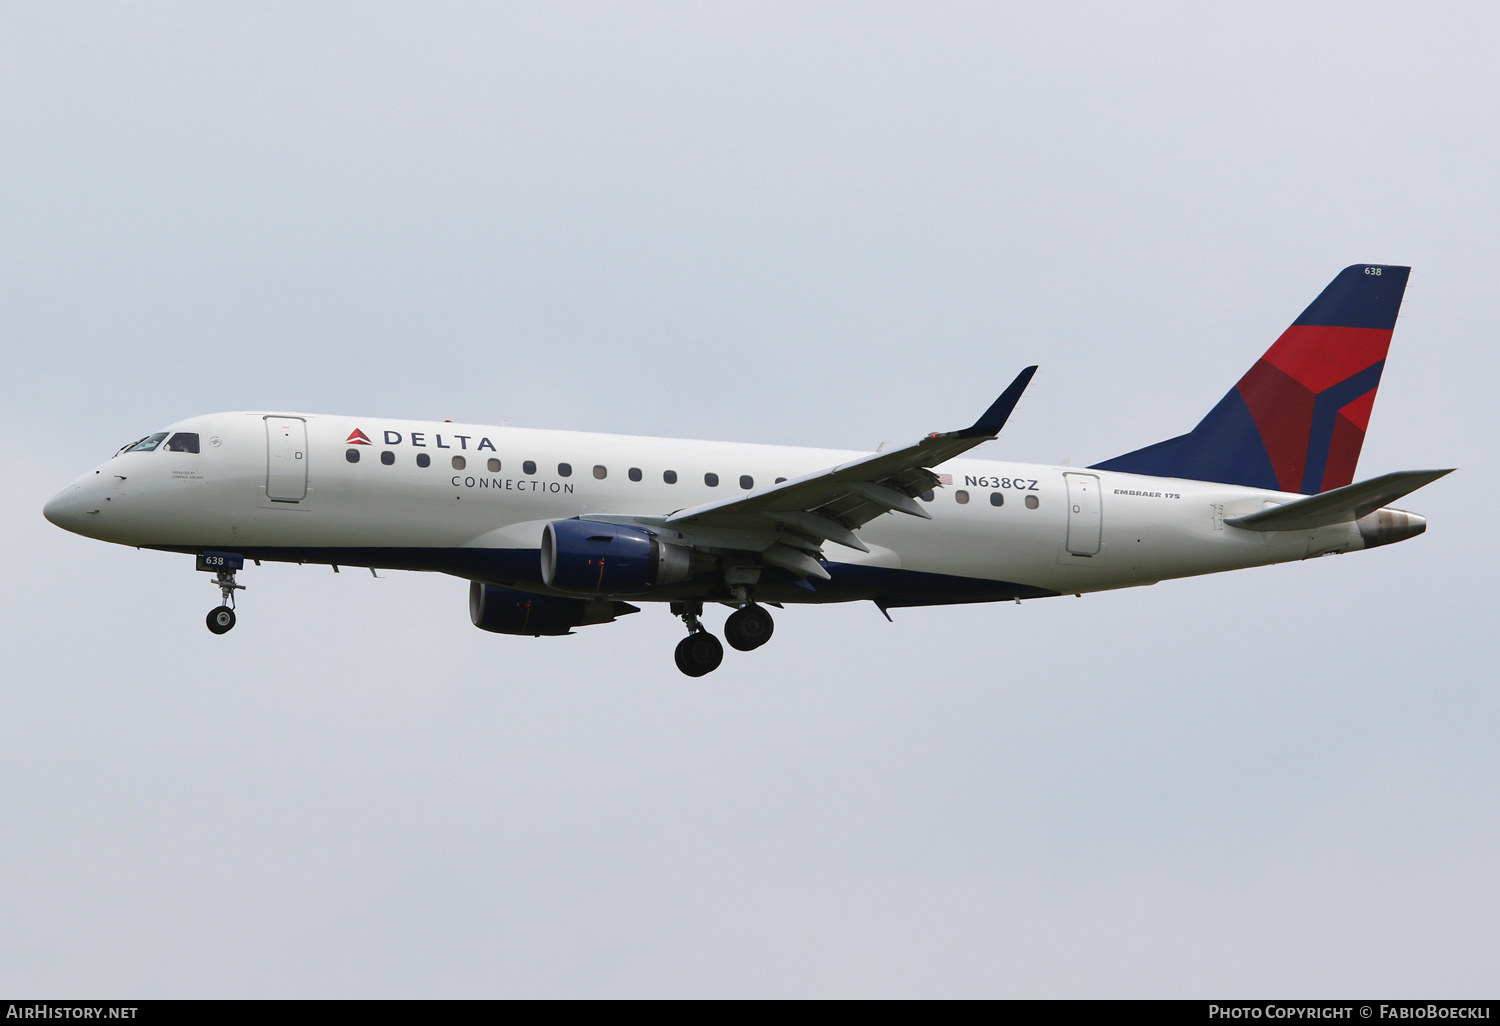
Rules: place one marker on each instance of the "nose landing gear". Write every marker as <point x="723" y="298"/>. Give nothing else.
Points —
<point x="223" y="565"/>
<point x="221" y="620"/>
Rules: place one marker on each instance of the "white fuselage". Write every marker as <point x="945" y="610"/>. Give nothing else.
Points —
<point x="489" y="491"/>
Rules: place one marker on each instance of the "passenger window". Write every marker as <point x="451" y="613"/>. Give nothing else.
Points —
<point x="148" y="443"/>
<point x="669" y="476"/>
<point x="747" y="482"/>
<point x="780" y="479"/>
<point x="494" y="465"/>
<point x="565" y="470"/>
<point x="459" y="463"/>
<point x="634" y="473"/>
<point x="529" y="467"/>
<point x="997" y="498"/>
<point x="186" y="441"/>
<point x="352" y="455"/>
<point x="388" y="457"/>
<point x="600" y="472"/>
<point x="712" y="480"/>
<point x="1031" y="502"/>
<point x="424" y="460"/>
<point x="961" y="497"/>
<point x="927" y="496"/>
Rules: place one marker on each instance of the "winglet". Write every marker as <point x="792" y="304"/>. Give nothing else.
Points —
<point x="994" y="418"/>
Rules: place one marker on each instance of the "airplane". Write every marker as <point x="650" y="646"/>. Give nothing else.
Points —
<point x="556" y="530"/>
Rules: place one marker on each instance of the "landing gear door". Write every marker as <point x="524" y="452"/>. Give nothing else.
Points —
<point x="286" y="459"/>
<point x="1084" y="521"/>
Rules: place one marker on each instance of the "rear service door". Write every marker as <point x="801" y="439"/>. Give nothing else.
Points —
<point x="1083" y="514"/>
<point x="286" y="459"/>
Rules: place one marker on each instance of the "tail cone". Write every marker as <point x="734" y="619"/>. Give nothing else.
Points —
<point x="1385" y="526"/>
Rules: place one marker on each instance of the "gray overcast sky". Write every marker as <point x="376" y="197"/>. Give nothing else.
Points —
<point x="831" y="224"/>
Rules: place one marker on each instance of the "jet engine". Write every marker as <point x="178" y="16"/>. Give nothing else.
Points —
<point x="591" y="558"/>
<point x="504" y="611"/>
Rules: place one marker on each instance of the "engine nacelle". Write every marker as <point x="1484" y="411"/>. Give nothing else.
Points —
<point x="591" y="558"/>
<point x="504" y="611"/>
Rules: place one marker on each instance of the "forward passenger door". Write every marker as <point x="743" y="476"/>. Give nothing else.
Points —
<point x="286" y="459"/>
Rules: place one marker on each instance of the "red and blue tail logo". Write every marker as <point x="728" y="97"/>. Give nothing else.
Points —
<point x="1296" y="421"/>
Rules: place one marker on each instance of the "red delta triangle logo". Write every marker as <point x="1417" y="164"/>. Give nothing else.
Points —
<point x="358" y="437"/>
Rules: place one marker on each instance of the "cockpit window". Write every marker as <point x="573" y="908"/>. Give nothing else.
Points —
<point x="147" y="444"/>
<point x="183" y="441"/>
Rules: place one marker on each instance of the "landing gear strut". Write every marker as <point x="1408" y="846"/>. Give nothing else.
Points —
<point x="700" y="652"/>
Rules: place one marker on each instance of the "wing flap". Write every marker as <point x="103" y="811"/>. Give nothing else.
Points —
<point x="820" y="528"/>
<point x="795" y="560"/>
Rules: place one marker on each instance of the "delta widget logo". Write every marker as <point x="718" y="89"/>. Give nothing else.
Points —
<point x="358" y="437"/>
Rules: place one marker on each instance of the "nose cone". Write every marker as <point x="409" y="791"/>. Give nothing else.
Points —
<point x="67" y="509"/>
<point x="1385" y="526"/>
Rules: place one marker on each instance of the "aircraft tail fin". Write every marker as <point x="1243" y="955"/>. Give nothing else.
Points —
<point x="1296" y="421"/>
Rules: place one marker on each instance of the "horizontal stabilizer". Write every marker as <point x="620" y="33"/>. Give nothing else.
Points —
<point x="1340" y="506"/>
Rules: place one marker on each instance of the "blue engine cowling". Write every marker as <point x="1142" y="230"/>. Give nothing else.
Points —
<point x="590" y="558"/>
<point x="503" y="611"/>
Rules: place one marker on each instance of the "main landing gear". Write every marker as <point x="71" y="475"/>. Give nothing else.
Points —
<point x="700" y="652"/>
<point x="747" y="628"/>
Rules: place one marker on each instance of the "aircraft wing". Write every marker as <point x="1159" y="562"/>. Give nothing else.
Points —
<point x="830" y="505"/>
<point x="1339" y="506"/>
